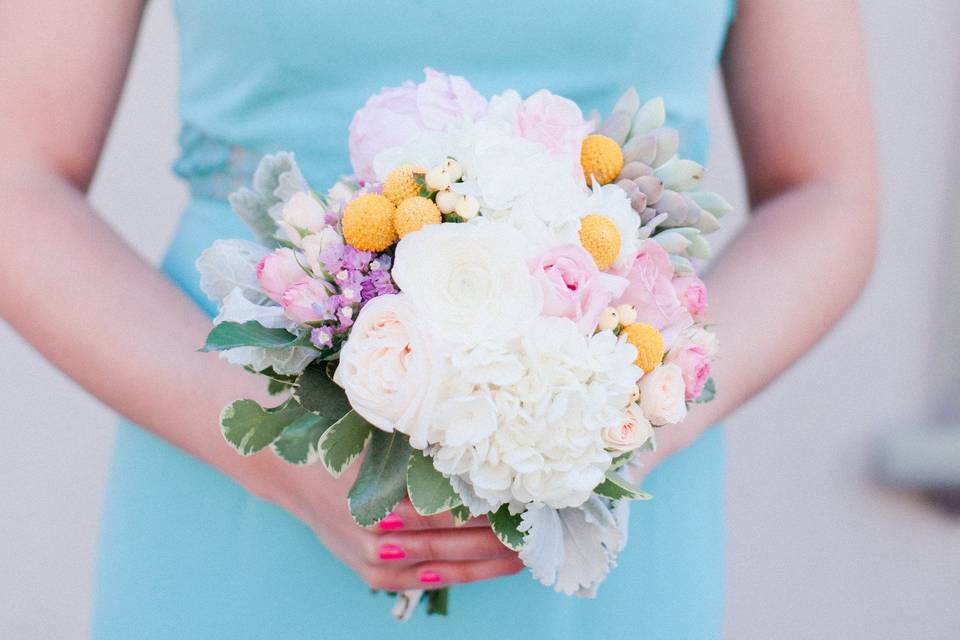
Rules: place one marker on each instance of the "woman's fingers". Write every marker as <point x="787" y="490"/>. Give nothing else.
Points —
<point x="434" y="575"/>
<point x="476" y="543"/>
<point x="405" y="518"/>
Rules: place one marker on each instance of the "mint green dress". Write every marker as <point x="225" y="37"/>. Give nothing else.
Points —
<point x="186" y="553"/>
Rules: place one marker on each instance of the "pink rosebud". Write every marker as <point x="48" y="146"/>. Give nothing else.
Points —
<point x="651" y="292"/>
<point x="277" y="271"/>
<point x="553" y="121"/>
<point x="573" y="287"/>
<point x="694" y="363"/>
<point x="300" y="301"/>
<point x="693" y="295"/>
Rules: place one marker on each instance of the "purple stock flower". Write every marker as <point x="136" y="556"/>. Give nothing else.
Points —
<point x="322" y="337"/>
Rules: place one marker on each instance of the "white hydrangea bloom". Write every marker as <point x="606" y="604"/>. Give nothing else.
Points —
<point x="521" y="421"/>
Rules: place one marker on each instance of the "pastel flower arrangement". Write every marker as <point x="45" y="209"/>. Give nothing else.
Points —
<point x="501" y="306"/>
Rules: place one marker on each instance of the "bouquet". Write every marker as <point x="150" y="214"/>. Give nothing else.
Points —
<point x="497" y="310"/>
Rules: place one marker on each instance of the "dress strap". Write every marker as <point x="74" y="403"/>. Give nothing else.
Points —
<point x="212" y="167"/>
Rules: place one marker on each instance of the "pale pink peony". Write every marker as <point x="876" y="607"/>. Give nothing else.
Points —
<point x="694" y="363"/>
<point x="651" y="291"/>
<point x="573" y="287"/>
<point x="693" y="295"/>
<point x="396" y="115"/>
<point x="445" y="100"/>
<point x="277" y="271"/>
<point x="300" y="301"/>
<point x="553" y="121"/>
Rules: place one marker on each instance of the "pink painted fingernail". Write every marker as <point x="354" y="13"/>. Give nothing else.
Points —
<point x="430" y="577"/>
<point x="391" y="522"/>
<point x="392" y="552"/>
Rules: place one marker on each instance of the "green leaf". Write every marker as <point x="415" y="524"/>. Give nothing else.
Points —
<point x="708" y="393"/>
<point x="317" y="393"/>
<point x="298" y="442"/>
<point x="276" y="387"/>
<point x="505" y="525"/>
<point x="248" y="427"/>
<point x="616" y="487"/>
<point x="228" y="335"/>
<point x="621" y="460"/>
<point x="381" y="484"/>
<point x="461" y="515"/>
<point x="341" y="444"/>
<point x="429" y="491"/>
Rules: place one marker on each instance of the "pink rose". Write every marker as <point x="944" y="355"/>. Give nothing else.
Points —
<point x="299" y="300"/>
<point x="445" y="100"/>
<point x="694" y="363"/>
<point x="693" y="295"/>
<point x="396" y="115"/>
<point x="651" y="292"/>
<point x="573" y="287"/>
<point x="277" y="271"/>
<point x="553" y="121"/>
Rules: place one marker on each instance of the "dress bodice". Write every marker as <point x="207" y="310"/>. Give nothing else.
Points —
<point x="288" y="74"/>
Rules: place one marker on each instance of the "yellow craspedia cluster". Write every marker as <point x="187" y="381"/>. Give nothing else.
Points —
<point x="649" y="344"/>
<point x="368" y="223"/>
<point x="402" y="183"/>
<point x="601" y="238"/>
<point x="414" y="213"/>
<point x="601" y="158"/>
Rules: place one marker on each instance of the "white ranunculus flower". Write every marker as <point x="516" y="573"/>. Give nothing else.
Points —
<point x="388" y="368"/>
<point x="612" y="201"/>
<point x="301" y="212"/>
<point x="700" y="337"/>
<point x="632" y="433"/>
<point x="469" y="282"/>
<point x="316" y="243"/>
<point x="662" y="395"/>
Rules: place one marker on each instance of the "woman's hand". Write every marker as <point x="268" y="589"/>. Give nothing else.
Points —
<point x="406" y="550"/>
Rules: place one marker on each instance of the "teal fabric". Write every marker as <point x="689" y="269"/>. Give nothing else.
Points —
<point x="186" y="553"/>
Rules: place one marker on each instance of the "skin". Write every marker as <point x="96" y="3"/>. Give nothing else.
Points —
<point x="802" y="115"/>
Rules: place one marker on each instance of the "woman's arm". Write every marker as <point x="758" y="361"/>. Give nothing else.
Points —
<point x="797" y="84"/>
<point x="112" y="322"/>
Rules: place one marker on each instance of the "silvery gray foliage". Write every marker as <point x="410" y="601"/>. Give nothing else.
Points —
<point x="276" y="179"/>
<point x="228" y="275"/>
<point x="574" y="549"/>
<point x="478" y="506"/>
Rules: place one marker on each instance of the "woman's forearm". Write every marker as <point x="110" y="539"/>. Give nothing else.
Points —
<point x="777" y="289"/>
<point x="113" y="323"/>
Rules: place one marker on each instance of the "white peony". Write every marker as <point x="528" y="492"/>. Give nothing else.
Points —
<point x="551" y="392"/>
<point x="388" y="370"/>
<point x="612" y="201"/>
<point x="468" y="282"/>
<point x="662" y="395"/>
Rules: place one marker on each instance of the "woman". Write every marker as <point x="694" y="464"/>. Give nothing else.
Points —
<point x="199" y="542"/>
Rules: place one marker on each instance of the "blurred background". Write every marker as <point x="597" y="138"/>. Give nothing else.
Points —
<point x="818" y="544"/>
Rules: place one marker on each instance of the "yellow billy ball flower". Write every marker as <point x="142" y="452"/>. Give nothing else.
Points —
<point x="402" y="183"/>
<point x="601" y="238"/>
<point x="601" y="158"/>
<point x="368" y="223"/>
<point x="414" y="213"/>
<point x="649" y="344"/>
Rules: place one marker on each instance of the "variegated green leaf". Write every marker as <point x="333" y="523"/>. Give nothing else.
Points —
<point x="429" y="491"/>
<point x="343" y="442"/>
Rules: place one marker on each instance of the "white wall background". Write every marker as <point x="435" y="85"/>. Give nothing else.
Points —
<point x="816" y="547"/>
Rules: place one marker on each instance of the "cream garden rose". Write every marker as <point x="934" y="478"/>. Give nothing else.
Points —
<point x="632" y="433"/>
<point x="662" y="395"/>
<point x="387" y="368"/>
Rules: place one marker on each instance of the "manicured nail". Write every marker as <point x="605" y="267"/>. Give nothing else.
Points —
<point x="391" y="522"/>
<point x="430" y="577"/>
<point x="392" y="552"/>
